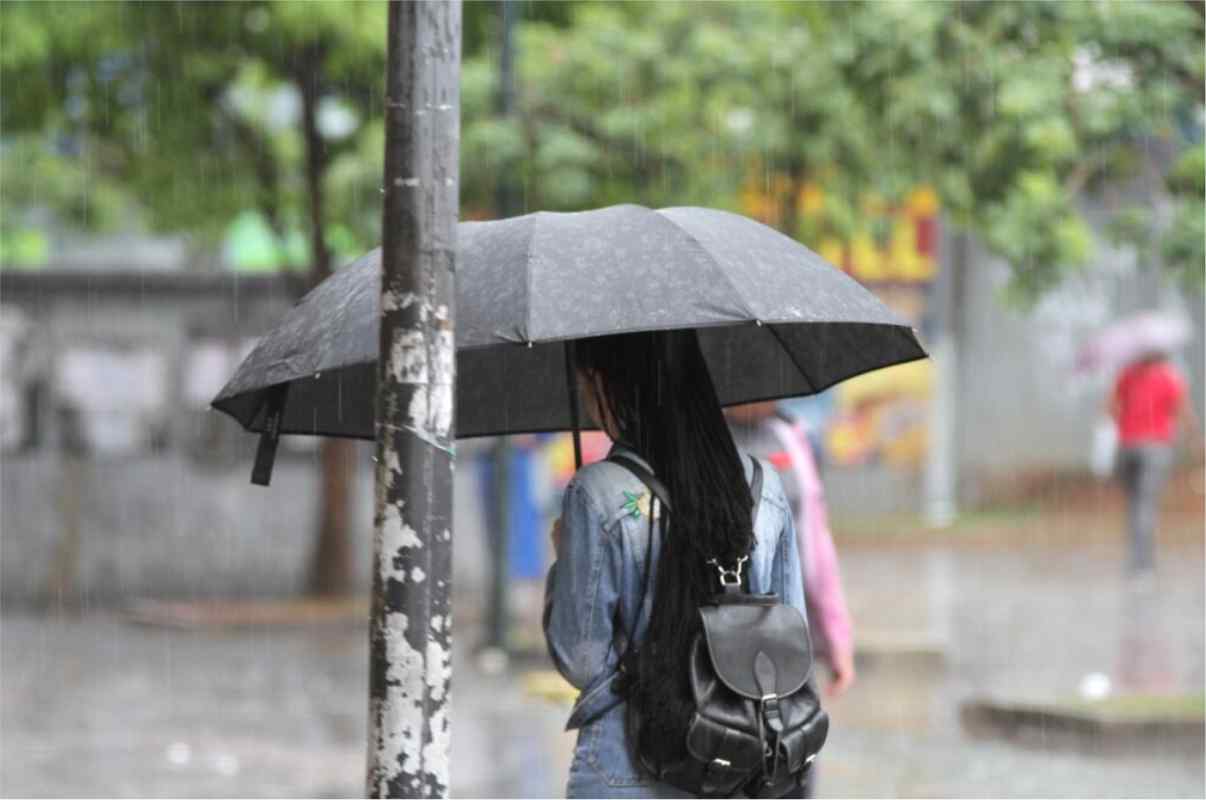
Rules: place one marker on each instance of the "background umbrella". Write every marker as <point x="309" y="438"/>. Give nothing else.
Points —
<point x="1126" y="340"/>
<point x="775" y="320"/>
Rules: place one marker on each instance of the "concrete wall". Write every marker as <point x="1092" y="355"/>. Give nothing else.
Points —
<point x="154" y="487"/>
<point x="117" y="451"/>
<point x="160" y="526"/>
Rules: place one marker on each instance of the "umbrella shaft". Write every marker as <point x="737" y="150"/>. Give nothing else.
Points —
<point x="571" y="386"/>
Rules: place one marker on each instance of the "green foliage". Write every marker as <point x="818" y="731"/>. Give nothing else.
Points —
<point x="178" y="117"/>
<point x="1035" y="226"/>
<point x="184" y="116"/>
<point x="1188" y="174"/>
<point x="1182" y="247"/>
<point x="1009" y="110"/>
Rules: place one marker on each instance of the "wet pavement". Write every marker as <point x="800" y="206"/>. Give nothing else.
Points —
<point x="95" y="705"/>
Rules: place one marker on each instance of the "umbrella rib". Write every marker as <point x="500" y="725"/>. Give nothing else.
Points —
<point x="745" y="306"/>
<point x="527" y="280"/>
<point x="807" y="378"/>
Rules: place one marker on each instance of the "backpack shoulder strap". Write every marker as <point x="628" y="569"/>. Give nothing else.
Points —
<point x="625" y="664"/>
<point x="756" y="489"/>
<point x="643" y="474"/>
<point x="663" y="496"/>
<point x="756" y="495"/>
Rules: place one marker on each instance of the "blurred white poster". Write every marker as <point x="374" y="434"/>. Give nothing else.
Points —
<point x="120" y="395"/>
<point x="207" y="366"/>
<point x="14" y="328"/>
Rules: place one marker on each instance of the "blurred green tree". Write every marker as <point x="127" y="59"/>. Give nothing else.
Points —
<point x="1009" y="110"/>
<point x="180" y="117"/>
<point x="177" y="117"/>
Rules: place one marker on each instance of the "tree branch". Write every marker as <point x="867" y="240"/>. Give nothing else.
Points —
<point x="307" y="75"/>
<point x="267" y="171"/>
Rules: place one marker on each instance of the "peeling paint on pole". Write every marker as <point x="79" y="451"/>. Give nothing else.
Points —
<point x="410" y="662"/>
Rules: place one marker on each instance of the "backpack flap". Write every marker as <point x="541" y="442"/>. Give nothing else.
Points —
<point x="737" y="634"/>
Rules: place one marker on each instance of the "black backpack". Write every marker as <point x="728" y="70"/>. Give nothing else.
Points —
<point x="758" y="723"/>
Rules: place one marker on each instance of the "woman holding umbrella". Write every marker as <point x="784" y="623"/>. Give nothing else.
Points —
<point x="652" y="393"/>
<point x="662" y="316"/>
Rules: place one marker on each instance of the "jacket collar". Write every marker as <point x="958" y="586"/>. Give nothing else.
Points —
<point x="628" y="451"/>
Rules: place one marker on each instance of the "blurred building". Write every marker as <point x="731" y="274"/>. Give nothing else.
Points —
<point x="113" y="468"/>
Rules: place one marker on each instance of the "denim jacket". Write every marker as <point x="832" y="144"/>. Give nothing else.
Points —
<point x="596" y="583"/>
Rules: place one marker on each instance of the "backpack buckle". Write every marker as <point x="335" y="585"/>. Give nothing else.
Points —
<point x="770" y="711"/>
<point x="730" y="577"/>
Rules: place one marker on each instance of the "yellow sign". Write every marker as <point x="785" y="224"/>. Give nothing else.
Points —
<point x="907" y="255"/>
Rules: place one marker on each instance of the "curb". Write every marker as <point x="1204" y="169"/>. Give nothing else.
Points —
<point x="1079" y="725"/>
<point x="548" y="685"/>
<point x="222" y="614"/>
<point x="906" y="649"/>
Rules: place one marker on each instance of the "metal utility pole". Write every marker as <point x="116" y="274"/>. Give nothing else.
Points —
<point x="942" y="459"/>
<point x="410" y="636"/>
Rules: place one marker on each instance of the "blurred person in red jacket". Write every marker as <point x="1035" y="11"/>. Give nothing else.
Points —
<point x="1147" y="404"/>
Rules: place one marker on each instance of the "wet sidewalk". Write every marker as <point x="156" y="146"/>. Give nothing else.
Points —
<point x="99" y="706"/>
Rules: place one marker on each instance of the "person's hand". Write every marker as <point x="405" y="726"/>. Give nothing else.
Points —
<point x="843" y="675"/>
<point x="555" y="535"/>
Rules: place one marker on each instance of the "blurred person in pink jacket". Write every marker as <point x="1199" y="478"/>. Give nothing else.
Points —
<point x="763" y="431"/>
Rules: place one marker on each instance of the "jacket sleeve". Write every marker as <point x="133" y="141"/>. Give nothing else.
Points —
<point x="581" y="592"/>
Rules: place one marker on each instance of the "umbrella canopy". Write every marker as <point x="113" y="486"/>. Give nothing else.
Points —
<point x="1134" y="337"/>
<point x="775" y="319"/>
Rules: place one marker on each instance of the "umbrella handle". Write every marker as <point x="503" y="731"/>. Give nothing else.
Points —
<point x="571" y="385"/>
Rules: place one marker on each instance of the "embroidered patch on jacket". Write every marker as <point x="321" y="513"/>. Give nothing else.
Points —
<point x="636" y="504"/>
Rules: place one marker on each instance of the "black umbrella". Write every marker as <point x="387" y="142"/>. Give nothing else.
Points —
<point x="774" y="318"/>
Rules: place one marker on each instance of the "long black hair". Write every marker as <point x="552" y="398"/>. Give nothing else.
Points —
<point x="656" y="388"/>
